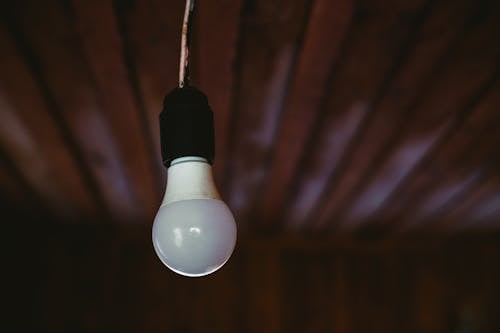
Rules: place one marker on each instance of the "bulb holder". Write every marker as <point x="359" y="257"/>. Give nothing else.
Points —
<point x="186" y="126"/>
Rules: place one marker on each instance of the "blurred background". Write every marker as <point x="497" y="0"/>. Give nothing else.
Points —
<point x="357" y="144"/>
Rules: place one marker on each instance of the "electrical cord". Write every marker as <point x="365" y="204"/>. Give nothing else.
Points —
<point x="185" y="44"/>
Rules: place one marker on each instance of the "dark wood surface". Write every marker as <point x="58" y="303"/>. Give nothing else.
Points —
<point x="340" y="115"/>
<point x="100" y="279"/>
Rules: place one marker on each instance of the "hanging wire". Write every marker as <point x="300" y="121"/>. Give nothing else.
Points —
<point x="185" y="44"/>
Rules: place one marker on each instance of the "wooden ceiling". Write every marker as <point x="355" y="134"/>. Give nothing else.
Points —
<point x="337" y="115"/>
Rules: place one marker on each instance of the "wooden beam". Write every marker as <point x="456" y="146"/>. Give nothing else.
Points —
<point x="479" y="209"/>
<point x="216" y="39"/>
<point x="391" y="110"/>
<point x="24" y="152"/>
<point x="429" y="122"/>
<point x="50" y="42"/>
<point x="151" y="31"/>
<point x="270" y="35"/>
<point x="326" y="29"/>
<point x="360" y="76"/>
<point x="14" y="190"/>
<point x="454" y="167"/>
<point x="35" y="143"/>
<point x="124" y="111"/>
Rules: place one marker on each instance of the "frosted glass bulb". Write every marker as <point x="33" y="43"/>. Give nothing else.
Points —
<point x="194" y="232"/>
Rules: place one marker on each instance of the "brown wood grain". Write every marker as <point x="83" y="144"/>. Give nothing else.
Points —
<point x="342" y="315"/>
<point x="308" y="292"/>
<point x="71" y="85"/>
<point x="461" y="79"/>
<point x="324" y="34"/>
<point x="467" y="151"/>
<point x="263" y="309"/>
<point x="368" y="295"/>
<point x="99" y="279"/>
<point x="151" y="31"/>
<point x="329" y="114"/>
<point x="35" y="142"/>
<point x="419" y="63"/>
<point x="215" y="46"/>
<point x="432" y="297"/>
<point x="58" y="290"/>
<point x="103" y="48"/>
<point x="479" y="208"/>
<point x="29" y="160"/>
<point x="14" y="190"/>
<point x="270" y="34"/>
<point x="219" y="309"/>
<point x="357" y="80"/>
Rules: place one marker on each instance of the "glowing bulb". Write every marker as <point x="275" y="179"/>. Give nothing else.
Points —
<point x="194" y="232"/>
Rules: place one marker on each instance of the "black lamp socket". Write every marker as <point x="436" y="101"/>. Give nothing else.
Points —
<point x="186" y="126"/>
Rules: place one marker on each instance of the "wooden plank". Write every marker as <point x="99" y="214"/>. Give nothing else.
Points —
<point x="25" y="247"/>
<point x="342" y="314"/>
<point x="326" y="29"/>
<point x="477" y="206"/>
<point x="87" y="263"/>
<point x="218" y="304"/>
<point x="35" y="142"/>
<point x="51" y="43"/>
<point x="10" y="191"/>
<point x="151" y="32"/>
<point x="125" y="113"/>
<point x="481" y="201"/>
<point x="24" y="153"/>
<point x="378" y="293"/>
<point x="14" y="190"/>
<point x="400" y="278"/>
<point x="432" y="40"/>
<point x="490" y="292"/>
<point x="263" y="309"/>
<point x="462" y="177"/>
<point x="270" y="35"/>
<point x="458" y="81"/>
<point x="309" y="288"/>
<point x="56" y="310"/>
<point x="214" y="53"/>
<point x="457" y="165"/>
<point x="109" y="282"/>
<point x="480" y="209"/>
<point x="432" y="295"/>
<point x="358" y="78"/>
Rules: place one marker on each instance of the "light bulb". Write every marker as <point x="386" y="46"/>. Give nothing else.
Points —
<point x="194" y="232"/>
